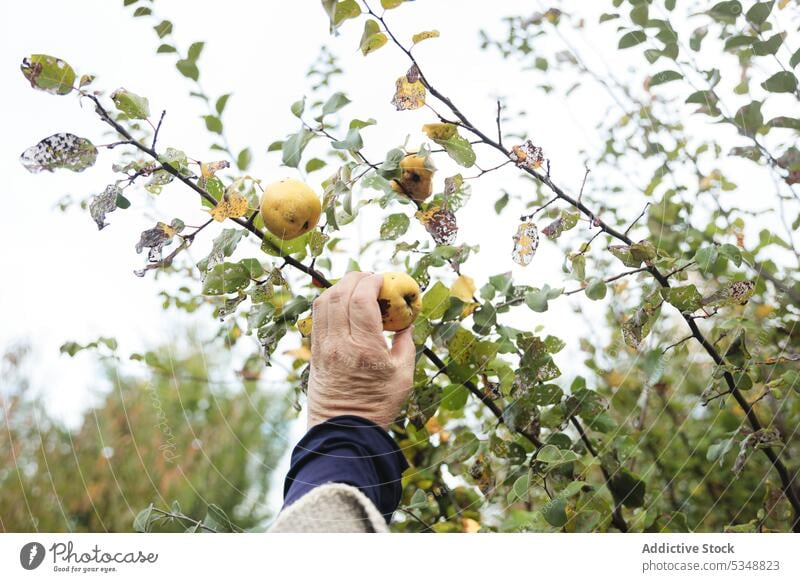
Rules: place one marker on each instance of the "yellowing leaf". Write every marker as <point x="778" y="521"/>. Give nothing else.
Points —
<point x="528" y="155"/>
<point x="442" y="131"/>
<point x="389" y="4"/>
<point x="470" y="525"/>
<point x="301" y="353"/>
<point x="526" y="241"/>
<point x="463" y="288"/>
<point x="424" y="35"/>
<point x="304" y="326"/>
<point x="408" y="94"/>
<point x="372" y="39"/>
<point x="208" y="169"/>
<point x="232" y="205"/>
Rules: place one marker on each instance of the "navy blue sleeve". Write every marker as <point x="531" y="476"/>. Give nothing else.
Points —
<point x="351" y="450"/>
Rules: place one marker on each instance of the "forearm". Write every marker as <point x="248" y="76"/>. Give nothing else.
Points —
<point x="352" y="450"/>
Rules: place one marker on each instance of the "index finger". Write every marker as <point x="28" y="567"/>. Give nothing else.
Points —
<point x="365" y="315"/>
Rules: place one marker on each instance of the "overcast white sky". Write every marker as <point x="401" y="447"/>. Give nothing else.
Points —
<point x="63" y="280"/>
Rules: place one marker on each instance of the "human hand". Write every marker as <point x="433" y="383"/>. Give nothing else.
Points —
<point x="353" y="371"/>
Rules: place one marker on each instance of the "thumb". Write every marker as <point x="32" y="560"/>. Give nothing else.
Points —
<point x="403" y="349"/>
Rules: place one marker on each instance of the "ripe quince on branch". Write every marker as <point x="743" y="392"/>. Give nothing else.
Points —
<point x="290" y="208"/>
<point x="416" y="177"/>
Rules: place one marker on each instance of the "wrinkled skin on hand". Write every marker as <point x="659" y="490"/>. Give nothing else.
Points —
<point x="353" y="370"/>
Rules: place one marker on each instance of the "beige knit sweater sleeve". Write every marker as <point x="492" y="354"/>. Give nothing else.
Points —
<point x="331" y="508"/>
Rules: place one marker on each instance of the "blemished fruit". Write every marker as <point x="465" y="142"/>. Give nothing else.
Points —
<point x="416" y="178"/>
<point x="399" y="301"/>
<point x="290" y="208"/>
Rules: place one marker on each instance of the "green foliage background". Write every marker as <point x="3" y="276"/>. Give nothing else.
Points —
<point x="683" y="417"/>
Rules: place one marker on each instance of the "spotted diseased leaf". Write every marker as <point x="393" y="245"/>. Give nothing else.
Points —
<point x="638" y="326"/>
<point x="223" y="246"/>
<point x="316" y="242"/>
<point x="305" y="325"/>
<point x="685" y="299"/>
<point x="104" y="203"/>
<point x="226" y="278"/>
<point x="132" y="105"/>
<point x="440" y="131"/>
<point x="232" y="205"/>
<point x="635" y="254"/>
<point x="157" y="238"/>
<point x="526" y="241"/>
<point x="268" y="337"/>
<point x="736" y="293"/>
<point x="765" y="438"/>
<point x="409" y="92"/>
<point x="423" y="403"/>
<point x="394" y="225"/>
<point x="528" y="155"/>
<point x="157" y="181"/>
<point x="208" y="169"/>
<point x="48" y="73"/>
<point x="424" y="35"/>
<point x="790" y="161"/>
<point x="565" y="221"/>
<point x="60" y="150"/>
<point x="482" y="474"/>
<point x="372" y="38"/>
<point x="441" y="225"/>
<point x="456" y="193"/>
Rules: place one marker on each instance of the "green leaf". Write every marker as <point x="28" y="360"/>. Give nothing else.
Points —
<point x="436" y="301"/>
<point x="465" y="445"/>
<point x="334" y="103"/>
<point x="142" y="11"/>
<point x="769" y="46"/>
<point x="627" y="488"/>
<point x="213" y="123"/>
<point x="131" y="104"/>
<point x="221" y="103"/>
<point x="781" y="82"/>
<point x="188" y="69"/>
<point x="48" y="73"/>
<point x="632" y="38"/>
<point x="372" y="38"/>
<point x="340" y="11"/>
<point x="596" y="289"/>
<point x="759" y="12"/>
<point x="166" y="48"/>
<point x="749" y="119"/>
<point x="785" y="122"/>
<point x="664" y="77"/>
<point x="706" y="257"/>
<point x="315" y="164"/>
<point x="685" y="299"/>
<point x="394" y="225"/>
<point x="226" y="278"/>
<point x="459" y="149"/>
<point x="552" y="455"/>
<point x="639" y="14"/>
<point x="194" y="51"/>
<point x="243" y="159"/>
<point x="739" y="41"/>
<point x="726" y="11"/>
<point x="795" y="59"/>
<point x="454" y="396"/>
<point x="141" y="522"/>
<point x="294" y="145"/>
<point x="163" y="28"/>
